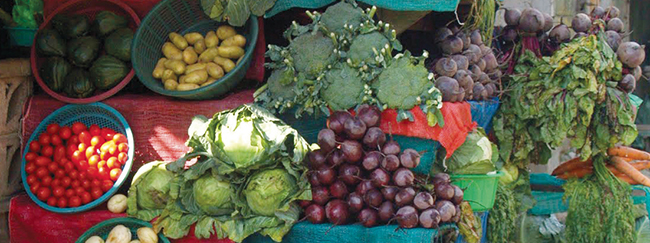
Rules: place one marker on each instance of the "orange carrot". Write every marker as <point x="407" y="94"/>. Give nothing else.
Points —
<point x="637" y="164"/>
<point x="571" y="165"/>
<point x="627" y="179"/>
<point x="577" y="173"/>
<point x="630" y="171"/>
<point x="628" y="152"/>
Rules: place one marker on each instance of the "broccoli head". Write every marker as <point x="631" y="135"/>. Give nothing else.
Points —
<point x="344" y="87"/>
<point x="312" y="53"/>
<point x="281" y="83"/>
<point x="340" y="14"/>
<point x="361" y="49"/>
<point x="401" y="84"/>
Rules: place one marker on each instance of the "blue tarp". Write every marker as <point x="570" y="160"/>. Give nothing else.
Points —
<point x="400" y="5"/>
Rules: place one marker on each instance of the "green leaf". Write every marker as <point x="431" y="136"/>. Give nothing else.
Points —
<point x="259" y="7"/>
<point x="237" y="12"/>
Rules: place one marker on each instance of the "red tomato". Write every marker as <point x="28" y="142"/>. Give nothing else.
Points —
<point x="86" y="197"/>
<point x="52" y="167"/>
<point x="43" y="193"/>
<point x="52" y="128"/>
<point x="34" y="146"/>
<point x="31" y="156"/>
<point x="103" y="173"/>
<point x="66" y="181"/>
<point x="47" y="151"/>
<point x="69" y="192"/>
<point x="92" y="171"/>
<point x="43" y="161"/>
<point x="112" y="162"/>
<point x="58" y="191"/>
<point x="95" y="130"/>
<point x="34" y="188"/>
<point x="69" y="167"/>
<point x="107" y="185"/>
<point x="65" y="132"/>
<point x="119" y="138"/>
<point x="96" y="192"/>
<point x="79" y="190"/>
<point x="107" y="133"/>
<point x="60" y="173"/>
<point x="74" y="140"/>
<point x="123" y="147"/>
<point x="101" y="164"/>
<point x="75" y="184"/>
<point x="56" y="182"/>
<point x="96" y="183"/>
<point x="90" y="151"/>
<point x="69" y="149"/>
<point x="82" y="148"/>
<point x="83" y="175"/>
<point x="85" y="137"/>
<point x="44" y="139"/>
<point x="56" y="140"/>
<point x="78" y="156"/>
<point x="104" y="155"/>
<point x="97" y="141"/>
<point x="85" y="184"/>
<point x="106" y="145"/>
<point x="82" y="165"/>
<point x="42" y="172"/>
<point x="31" y="179"/>
<point x="115" y="173"/>
<point x="93" y="160"/>
<point x="46" y="181"/>
<point x="78" y="127"/>
<point x="59" y="153"/>
<point x="51" y="201"/>
<point x="112" y="150"/>
<point x="62" y="202"/>
<point x="30" y="167"/>
<point x="75" y="201"/>
<point x="74" y="175"/>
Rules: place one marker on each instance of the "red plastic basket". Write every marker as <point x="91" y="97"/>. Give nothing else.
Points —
<point x="89" y="8"/>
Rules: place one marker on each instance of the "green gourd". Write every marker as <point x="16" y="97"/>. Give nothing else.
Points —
<point x="107" y="71"/>
<point x="54" y="71"/>
<point x="77" y="84"/>
<point x="118" y="44"/>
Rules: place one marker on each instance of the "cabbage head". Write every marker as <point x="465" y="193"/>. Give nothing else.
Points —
<point x="149" y="191"/>
<point x="212" y="194"/>
<point x="477" y="155"/>
<point x="268" y="190"/>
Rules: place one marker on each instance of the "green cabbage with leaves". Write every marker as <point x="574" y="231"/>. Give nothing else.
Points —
<point x="149" y="191"/>
<point x="477" y="155"/>
<point x="236" y="12"/>
<point x="267" y="190"/>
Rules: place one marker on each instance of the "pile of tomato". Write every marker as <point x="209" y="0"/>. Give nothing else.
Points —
<point x="72" y="166"/>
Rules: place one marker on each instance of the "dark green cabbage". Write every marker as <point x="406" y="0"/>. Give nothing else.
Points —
<point x="77" y="84"/>
<point x="50" y="43"/>
<point x="53" y="72"/>
<point x="107" y="71"/>
<point x="118" y="44"/>
<point x="83" y="50"/>
<point x="107" y="21"/>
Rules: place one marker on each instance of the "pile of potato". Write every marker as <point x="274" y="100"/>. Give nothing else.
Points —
<point x="193" y="61"/>
<point x="122" y="234"/>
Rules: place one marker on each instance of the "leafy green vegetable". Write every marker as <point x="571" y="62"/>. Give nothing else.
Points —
<point x="341" y="14"/>
<point x="107" y="21"/>
<point x="642" y="230"/>
<point x="281" y="83"/>
<point x="312" y="53"/>
<point x="344" y="87"/>
<point x="54" y="71"/>
<point x="78" y="84"/>
<point x="469" y="226"/>
<point x="212" y="194"/>
<point x="149" y="191"/>
<point x="364" y="47"/>
<point x="83" y="50"/>
<point x="539" y="229"/>
<point x="107" y="71"/>
<point x="118" y="44"/>
<point x="236" y="12"/>
<point x="50" y="43"/>
<point x="474" y="156"/>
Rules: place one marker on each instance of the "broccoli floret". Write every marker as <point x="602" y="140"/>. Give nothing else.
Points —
<point x="361" y="49"/>
<point x="336" y="16"/>
<point x="344" y="87"/>
<point x="312" y="53"/>
<point x="281" y="83"/>
<point x="401" y="83"/>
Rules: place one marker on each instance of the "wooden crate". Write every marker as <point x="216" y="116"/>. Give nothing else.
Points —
<point x="10" y="159"/>
<point x="14" y="92"/>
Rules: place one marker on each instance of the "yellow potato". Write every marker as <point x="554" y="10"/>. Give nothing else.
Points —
<point x="225" y="63"/>
<point x="236" y="40"/>
<point x="225" y="32"/>
<point x="178" y="40"/>
<point x="171" y="52"/>
<point x="193" y="37"/>
<point x="160" y="68"/>
<point x="177" y="66"/>
<point x="186" y="86"/>
<point x="196" y="77"/>
<point x="214" y="70"/>
<point x="168" y="74"/>
<point x="209" y="54"/>
<point x="190" y="56"/>
<point x="170" y="84"/>
<point x="210" y="80"/>
<point x="232" y="52"/>
<point x="181" y="79"/>
<point x="211" y="39"/>
<point x="199" y="46"/>
<point x="195" y="67"/>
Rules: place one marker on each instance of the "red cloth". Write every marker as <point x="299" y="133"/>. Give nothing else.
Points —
<point x="458" y="122"/>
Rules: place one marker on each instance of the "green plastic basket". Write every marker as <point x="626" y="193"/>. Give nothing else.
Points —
<point x="184" y="16"/>
<point x="479" y="190"/>
<point x="103" y="228"/>
<point x="20" y="36"/>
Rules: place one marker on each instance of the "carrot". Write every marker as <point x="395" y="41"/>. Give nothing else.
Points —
<point x="571" y="165"/>
<point x="577" y="173"/>
<point x="630" y="171"/>
<point x="628" y="152"/>
<point x="637" y="164"/>
<point x="627" y="179"/>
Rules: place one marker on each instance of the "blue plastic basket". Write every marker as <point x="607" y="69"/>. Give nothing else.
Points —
<point x="483" y="216"/>
<point x="103" y="228"/>
<point x="95" y="113"/>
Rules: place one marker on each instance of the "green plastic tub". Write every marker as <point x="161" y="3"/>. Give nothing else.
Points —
<point x="103" y="228"/>
<point x="19" y="36"/>
<point x="184" y="16"/>
<point x="479" y="190"/>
